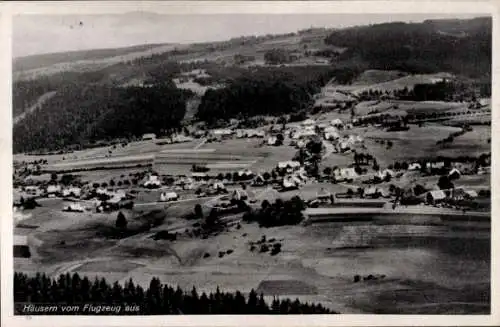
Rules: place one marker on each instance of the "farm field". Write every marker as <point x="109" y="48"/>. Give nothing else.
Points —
<point x="421" y="141"/>
<point x="317" y="262"/>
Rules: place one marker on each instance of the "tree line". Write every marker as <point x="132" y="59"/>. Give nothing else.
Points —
<point x="157" y="299"/>
<point x="279" y="213"/>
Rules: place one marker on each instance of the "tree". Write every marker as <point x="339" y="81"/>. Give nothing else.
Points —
<point x="53" y="177"/>
<point x="266" y="176"/>
<point x="198" y="211"/>
<point x="327" y="171"/>
<point x="121" y="221"/>
<point x="444" y="183"/>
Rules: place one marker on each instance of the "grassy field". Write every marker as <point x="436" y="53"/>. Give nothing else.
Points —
<point x="317" y="263"/>
<point x="421" y="141"/>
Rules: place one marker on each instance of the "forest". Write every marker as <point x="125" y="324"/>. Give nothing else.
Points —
<point x="269" y="91"/>
<point x="157" y="299"/>
<point x="419" y="47"/>
<point x="81" y="113"/>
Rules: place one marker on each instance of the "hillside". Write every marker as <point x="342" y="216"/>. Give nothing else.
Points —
<point x="427" y="47"/>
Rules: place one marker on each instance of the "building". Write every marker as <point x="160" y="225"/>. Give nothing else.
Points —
<point x="222" y="132"/>
<point x="345" y="174"/>
<point x="289" y="166"/>
<point x="53" y="190"/>
<point x="72" y="191"/>
<point x="152" y="181"/>
<point x="337" y="123"/>
<point x="454" y="174"/>
<point x="414" y="166"/>
<point x="258" y="181"/>
<point x="168" y="196"/>
<point x="386" y="172"/>
<point x="273" y="140"/>
<point x="149" y="137"/>
<point x="434" y="197"/>
<point x="324" y="196"/>
<point x="239" y="195"/>
<point x="308" y="122"/>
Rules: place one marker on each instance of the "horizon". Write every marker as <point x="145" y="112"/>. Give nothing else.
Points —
<point x="49" y="34"/>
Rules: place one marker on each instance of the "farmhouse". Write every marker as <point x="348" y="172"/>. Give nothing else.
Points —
<point x="324" y="196"/>
<point x="386" y="172"/>
<point x="199" y="176"/>
<point x="53" y="190"/>
<point x="32" y="190"/>
<point x="149" y="137"/>
<point x="414" y="166"/>
<point x="337" y="123"/>
<point x="289" y="166"/>
<point x="308" y="122"/>
<point x="258" y="180"/>
<point x="454" y="174"/>
<point x="75" y="207"/>
<point x="168" y="196"/>
<point x="222" y="132"/>
<point x="21" y="247"/>
<point x="72" y="191"/>
<point x="346" y="173"/>
<point x="239" y="195"/>
<point x="272" y="140"/>
<point x="434" y="197"/>
<point x="152" y="181"/>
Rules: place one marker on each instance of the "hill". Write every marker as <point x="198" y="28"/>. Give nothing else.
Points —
<point x="428" y="47"/>
<point x="94" y="94"/>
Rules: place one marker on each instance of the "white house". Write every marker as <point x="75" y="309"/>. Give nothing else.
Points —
<point x="53" y="189"/>
<point x="272" y="140"/>
<point x="75" y="207"/>
<point x="414" y="166"/>
<point x="168" y="196"/>
<point x="149" y="137"/>
<point x="152" y="181"/>
<point x="435" y="196"/>
<point x="385" y="172"/>
<point x="337" y="123"/>
<point x="308" y="122"/>
<point x="222" y="132"/>
<point x="289" y="164"/>
<point x="454" y="173"/>
<point x="72" y="191"/>
<point x="346" y="173"/>
<point x="239" y="194"/>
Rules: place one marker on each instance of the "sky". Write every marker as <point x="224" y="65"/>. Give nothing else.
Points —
<point x="38" y="34"/>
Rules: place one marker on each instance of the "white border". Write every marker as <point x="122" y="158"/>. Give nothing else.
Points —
<point x="229" y="7"/>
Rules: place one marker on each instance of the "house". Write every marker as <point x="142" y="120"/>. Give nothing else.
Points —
<point x="152" y="181"/>
<point x="291" y="182"/>
<point x="434" y="197"/>
<point x="222" y="132"/>
<point x="272" y="140"/>
<point x="383" y="173"/>
<point x="74" y="207"/>
<point x="199" y="176"/>
<point x="245" y="173"/>
<point x="371" y="192"/>
<point x="414" y="166"/>
<point x="484" y="170"/>
<point x="323" y="195"/>
<point x="218" y="186"/>
<point x="345" y="174"/>
<point x="435" y="165"/>
<point x="308" y="122"/>
<point x="53" y="190"/>
<point x="258" y="181"/>
<point x="32" y="190"/>
<point x="454" y="174"/>
<point x="21" y="247"/>
<point x="149" y="137"/>
<point x="471" y="194"/>
<point x="337" y="123"/>
<point x="239" y="195"/>
<point x="168" y="196"/>
<point x="72" y="191"/>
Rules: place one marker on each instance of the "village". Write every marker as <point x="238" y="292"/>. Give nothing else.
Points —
<point x="279" y="165"/>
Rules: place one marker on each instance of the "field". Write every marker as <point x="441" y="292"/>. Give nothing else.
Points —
<point x="317" y="262"/>
<point x="421" y="141"/>
<point x="413" y="107"/>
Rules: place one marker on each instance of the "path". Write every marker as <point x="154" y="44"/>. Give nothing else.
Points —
<point x="37" y="105"/>
<point x="200" y="144"/>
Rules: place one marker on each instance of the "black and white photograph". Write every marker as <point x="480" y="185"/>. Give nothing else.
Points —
<point x="293" y="163"/>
